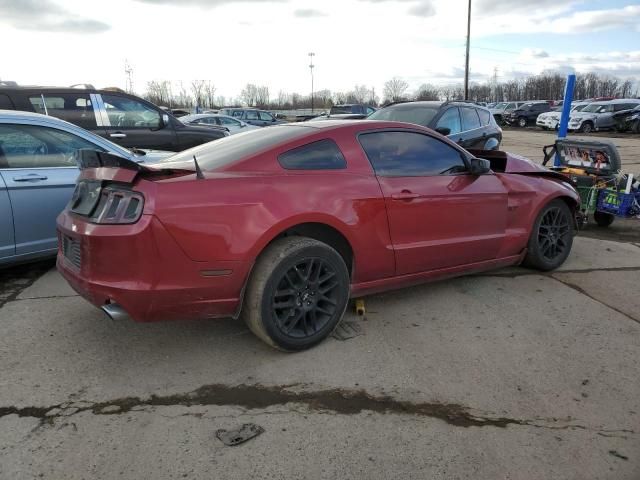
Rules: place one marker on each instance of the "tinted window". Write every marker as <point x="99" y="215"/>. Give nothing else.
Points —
<point x="126" y="112"/>
<point x="232" y="122"/>
<point x="74" y="108"/>
<point x="237" y="113"/>
<point x="265" y="116"/>
<point x="236" y="147"/>
<point x="450" y="119"/>
<point x="407" y="154"/>
<point x="251" y="115"/>
<point x="541" y="106"/>
<point x="30" y="146"/>
<point x="321" y="155"/>
<point x="5" y="102"/>
<point x="419" y="114"/>
<point x="470" y="118"/>
<point x="485" y="116"/>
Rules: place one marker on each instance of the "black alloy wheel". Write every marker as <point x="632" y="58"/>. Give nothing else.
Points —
<point x="551" y="237"/>
<point x="306" y="298"/>
<point x="297" y="293"/>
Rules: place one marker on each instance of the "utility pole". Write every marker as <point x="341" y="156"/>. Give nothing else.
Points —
<point x="466" y="62"/>
<point x="495" y="84"/>
<point x="311" y="66"/>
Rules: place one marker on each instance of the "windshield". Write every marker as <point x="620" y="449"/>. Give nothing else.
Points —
<point x="227" y="150"/>
<point x="501" y="105"/>
<point x="419" y="114"/>
<point x="579" y="108"/>
<point x="338" y="109"/>
<point x="597" y="108"/>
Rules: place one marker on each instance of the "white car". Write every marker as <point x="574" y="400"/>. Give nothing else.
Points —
<point x="599" y="115"/>
<point x="551" y="120"/>
<point x="233" y="125"/>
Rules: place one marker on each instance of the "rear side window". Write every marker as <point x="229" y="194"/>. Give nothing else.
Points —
<point x="409" y="154"/>
<point x="265" y="116"/>
<point x="470" y="120"/>
<point x="320" y="155"/>
<point x="5" y="102"/>
<point x="74" y="108"/>
<point x="485" y="116"/>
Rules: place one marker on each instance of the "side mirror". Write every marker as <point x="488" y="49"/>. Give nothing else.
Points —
<point x="479" y="166"/>
<point x="273" y="119"/>
<point x="443" y="131"/>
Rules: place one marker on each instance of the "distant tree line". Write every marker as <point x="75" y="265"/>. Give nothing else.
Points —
<point x="546" y="86"/>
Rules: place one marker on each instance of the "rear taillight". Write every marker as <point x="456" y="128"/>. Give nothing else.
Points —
<point x="118" y="206"/>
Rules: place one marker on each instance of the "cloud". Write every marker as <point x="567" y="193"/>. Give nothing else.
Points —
<point x="534" y="53"/>
<point x="46" y="16"/>
<point x="505" y="7"/>
<point x="421" y="8"/>
<point x="204" y="3"/>
<point x="308" y="13"/>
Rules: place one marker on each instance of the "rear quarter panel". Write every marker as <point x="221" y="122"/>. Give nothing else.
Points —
<point x="233" y="216"/>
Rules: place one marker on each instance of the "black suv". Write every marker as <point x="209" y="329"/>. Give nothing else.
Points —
<point x="470" y="125"/>
<point x="122" y="118"/>
<point x="526" y="114"/>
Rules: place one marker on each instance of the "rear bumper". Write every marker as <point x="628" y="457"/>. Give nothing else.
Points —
<point x="142" y="269"/>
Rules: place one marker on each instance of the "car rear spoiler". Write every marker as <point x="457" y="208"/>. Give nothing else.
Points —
<point x="87" y="158"/>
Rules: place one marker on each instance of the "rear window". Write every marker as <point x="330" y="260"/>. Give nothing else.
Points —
<point x="320" y="155"/>
<point x="5" y="102"/>
<point x="408" y="112"/>
<point x="227" y="150"/>
<point x="485" y="116"/>
<point x="340" y="109"/>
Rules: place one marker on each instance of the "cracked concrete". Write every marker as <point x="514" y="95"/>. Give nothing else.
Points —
<point x="514" y="374"/>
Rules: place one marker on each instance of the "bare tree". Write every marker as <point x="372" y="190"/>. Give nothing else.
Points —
<point x="395" y="89"/>
<point x="427" y="92"/>
<point x="249" y="94"/>
<point x="198" y="87"/>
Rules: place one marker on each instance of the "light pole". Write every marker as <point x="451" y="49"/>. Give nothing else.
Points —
<point x="311" y="65"/>
<point x="466" y="61"/>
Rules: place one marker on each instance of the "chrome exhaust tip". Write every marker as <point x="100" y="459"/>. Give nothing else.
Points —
<point x="115" y="312"/>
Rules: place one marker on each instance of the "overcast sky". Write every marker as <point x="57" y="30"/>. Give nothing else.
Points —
<point x="233" y="42"/>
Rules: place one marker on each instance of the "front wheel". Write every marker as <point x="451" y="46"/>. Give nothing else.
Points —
<point x="522" y="122"/>
<point x="551" y="237"/>
<point x="297" y="293"/>
<point x="587" y="127"/>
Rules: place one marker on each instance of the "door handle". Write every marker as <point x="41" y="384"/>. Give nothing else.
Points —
<point x="32" y="177"/>
<point x="405" y="195"/>
<point x="118" y="135"/>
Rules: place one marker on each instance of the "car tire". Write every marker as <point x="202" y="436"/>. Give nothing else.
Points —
<point x="603" y="219"/>
<point x="586" y="127"/>
<point x="522" y="122"/>
<point x="551" y="237"/>
<point x="297" y="294"/>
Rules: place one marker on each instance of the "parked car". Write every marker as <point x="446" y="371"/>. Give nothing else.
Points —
<point x="526" y="114"/>
<point x="252" y="116"/>
<point x="351" y="108"/>
<point x="599" y="115"/>
<point x="125" y="119"/>
<point x="627" y="120"/>
<point x="282" y="225"/>
<point x="467" y="124"/>
<point x="233" y="125"/>
<point x="503" y="108"/>
<point x="551" y="120"/>
<point x="38" y="173"/>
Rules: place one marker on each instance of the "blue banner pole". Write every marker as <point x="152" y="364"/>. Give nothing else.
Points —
<point x="566" y="111"/>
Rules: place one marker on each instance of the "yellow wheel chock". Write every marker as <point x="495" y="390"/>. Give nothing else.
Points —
<point x="360" y="310"/>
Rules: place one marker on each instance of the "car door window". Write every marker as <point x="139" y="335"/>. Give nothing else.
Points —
<point x="126" y="112"/>
<point x="252" y="115"/>
<point x="229" y="122"/>
<point x="31" y="146"/>
<point x="410" y="154"/>
<point x="470" y="120"/>
<point x="75" y="108"/>
<point x="511" y="106"/>
<point x="320" y="155"/>
<point x="370" y="110"/>
<point x="266" y="117"/>
<point x="485" y="116"/>
<point x="237" y="113"/>
<point x="450" y="119"/>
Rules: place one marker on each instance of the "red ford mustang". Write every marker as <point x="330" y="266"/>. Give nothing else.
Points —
<point x="282" y="225"/>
